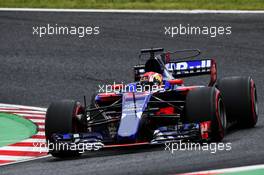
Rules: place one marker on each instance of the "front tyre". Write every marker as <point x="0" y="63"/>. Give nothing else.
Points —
<point x="61" y="118"/>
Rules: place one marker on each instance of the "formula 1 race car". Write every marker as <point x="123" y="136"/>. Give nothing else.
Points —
<point x="156" y="108"/>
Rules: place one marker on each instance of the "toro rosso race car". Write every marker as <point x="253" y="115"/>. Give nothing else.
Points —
<point x="156" y="108"/>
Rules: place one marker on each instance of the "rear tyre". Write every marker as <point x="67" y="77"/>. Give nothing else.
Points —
<point x="205" y="104"/>
<point x="240" y="96"/>
<point x="61" y="118"/>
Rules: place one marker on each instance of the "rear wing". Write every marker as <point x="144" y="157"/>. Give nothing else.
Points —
<point x="183" y="66"/>
<point x="188" y="68"/>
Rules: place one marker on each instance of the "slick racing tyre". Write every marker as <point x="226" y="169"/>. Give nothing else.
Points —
<point x="240" y="97"/>
<point x="61" y="118"/>
<point x="206" y="104"/>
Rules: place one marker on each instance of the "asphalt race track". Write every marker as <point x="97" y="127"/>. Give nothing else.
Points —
<point x="35" y="71"/>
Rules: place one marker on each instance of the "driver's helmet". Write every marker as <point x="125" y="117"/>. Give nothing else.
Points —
<point x="151" y="78"/>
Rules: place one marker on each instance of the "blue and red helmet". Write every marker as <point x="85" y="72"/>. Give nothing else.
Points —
<point x="151" y="78"/>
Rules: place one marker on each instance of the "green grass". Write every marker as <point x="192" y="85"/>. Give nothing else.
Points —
<point x="14" y="129"/>
<point x="138" y="4"/>
<point x="249" y="172"/>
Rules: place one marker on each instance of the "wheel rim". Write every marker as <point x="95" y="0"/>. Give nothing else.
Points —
<point x="255" y="101"/>
<point x="222" y="113"/>
<point x="77" y="127"/>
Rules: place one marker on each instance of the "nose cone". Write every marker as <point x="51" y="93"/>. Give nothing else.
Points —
<point x="133" y="105"/>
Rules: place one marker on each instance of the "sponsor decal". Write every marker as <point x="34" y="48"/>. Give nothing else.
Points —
<point x="186" y="67"/>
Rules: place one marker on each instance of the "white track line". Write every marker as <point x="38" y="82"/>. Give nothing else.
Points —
<point x="37" y="120"/>
<point x="34" y="141"/>
<point x="41" y="126"/>
<point x="228" y="170"/>
<point x="40" y="133"/>
<point x="30" y="115"/>
<point x="22" y="106"/>
<point x="131" y="11"/>
<point x="23" y="111"/>
<point x="38" y="148"/>
<point x="14" y="157"/>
